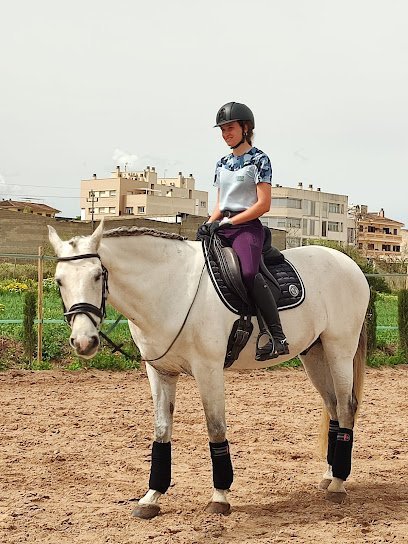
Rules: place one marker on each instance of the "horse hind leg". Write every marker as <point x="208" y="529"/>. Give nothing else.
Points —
<point x="347" y="374"/>
<point x="318" y="371"/>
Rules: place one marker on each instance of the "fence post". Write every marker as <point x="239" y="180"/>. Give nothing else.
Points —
<point x="40" y="310"/>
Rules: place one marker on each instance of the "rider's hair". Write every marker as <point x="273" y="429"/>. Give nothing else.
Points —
<point x="249" y="130"/>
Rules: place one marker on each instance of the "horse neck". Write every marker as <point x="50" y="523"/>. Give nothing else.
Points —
<point x="150" y="276"/>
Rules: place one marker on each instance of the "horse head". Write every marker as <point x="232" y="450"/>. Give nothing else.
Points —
<point x="82" y="281"/>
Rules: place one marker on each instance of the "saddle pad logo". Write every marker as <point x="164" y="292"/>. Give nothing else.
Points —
<point x="240" y="178"/>
<point x="293" y="290"/>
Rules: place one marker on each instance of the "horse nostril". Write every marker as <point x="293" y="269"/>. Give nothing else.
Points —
<point x="95" y="341"/>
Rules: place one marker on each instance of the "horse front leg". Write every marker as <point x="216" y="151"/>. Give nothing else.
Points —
<point x="163" y="387"/>
<point x="211" y="386"/>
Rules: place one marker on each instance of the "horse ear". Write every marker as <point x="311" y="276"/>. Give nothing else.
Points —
<point x="97" y="235"/>
<point x="55" y="240"/>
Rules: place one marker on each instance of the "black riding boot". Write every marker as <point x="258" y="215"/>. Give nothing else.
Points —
<point x="265" y="301"/>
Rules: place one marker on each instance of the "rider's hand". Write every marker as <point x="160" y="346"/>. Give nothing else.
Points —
<point x="203" y="230"/>
<point x="213" y="227"/>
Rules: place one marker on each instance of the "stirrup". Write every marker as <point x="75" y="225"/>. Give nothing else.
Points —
<point x="272" y="349"/>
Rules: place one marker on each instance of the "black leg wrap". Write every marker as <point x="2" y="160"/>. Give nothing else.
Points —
<point x="331" y="445"/>
<point x="342" y="453"/>
<point x="160" y="470"/>
<point x="222" y="467"/>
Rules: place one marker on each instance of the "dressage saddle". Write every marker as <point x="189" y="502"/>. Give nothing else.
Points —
<point x="224" y="270"/>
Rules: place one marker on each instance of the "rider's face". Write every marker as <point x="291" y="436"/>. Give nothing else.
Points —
<point x="232" y="133"/>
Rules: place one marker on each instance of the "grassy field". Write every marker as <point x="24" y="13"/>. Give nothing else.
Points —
<point x="57" y="354"/>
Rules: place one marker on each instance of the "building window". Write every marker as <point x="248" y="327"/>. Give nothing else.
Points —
<point x="370" y="246"/>
<point x="397" y="249"/>
<point x="360" y="228"/>
<point x="129" y="211"/>
<point x="360" y="245"/>
<point x="386" y="230"/>
<point x="203" y="204"/>
<point x="293" y="222"/>
<point x="396" y="232"/>
<point x="333" y="226"/>
<point x="335" y="208"/>
<point x="371" y="229"/>
<point x="140" y="209"/>
<point x="309" y="207"/>
<point x="112" y="210"/>
<point x="112" y="193"/>
<point x="324" y="228"/>
<point x="287" y="203"/>
<point x="386" y="247"/>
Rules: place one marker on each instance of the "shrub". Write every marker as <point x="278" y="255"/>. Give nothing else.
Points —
<point x="371" y="320"/>
<point x="403" y="320"/>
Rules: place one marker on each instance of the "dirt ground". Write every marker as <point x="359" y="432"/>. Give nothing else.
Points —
<point x="75" y="448"/>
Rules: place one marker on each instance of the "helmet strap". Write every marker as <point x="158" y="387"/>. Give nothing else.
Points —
<point x="243" y="140"/>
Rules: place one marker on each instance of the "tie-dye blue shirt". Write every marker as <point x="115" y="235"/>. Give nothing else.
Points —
<point x="237" y="178"/>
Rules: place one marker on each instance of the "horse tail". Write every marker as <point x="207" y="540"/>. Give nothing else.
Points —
<point x="359" y="364"/>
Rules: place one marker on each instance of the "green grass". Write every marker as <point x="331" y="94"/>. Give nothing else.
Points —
<point x="56" y="352"/>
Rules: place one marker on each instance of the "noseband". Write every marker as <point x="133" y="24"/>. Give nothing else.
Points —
<point x="84" y="307"/>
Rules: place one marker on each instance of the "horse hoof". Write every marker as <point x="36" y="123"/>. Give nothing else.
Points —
<point x="324" y="484"/>
<point x="147" y="511"/>
<point x="336" y="496"/>
<point x="218" y="508"/>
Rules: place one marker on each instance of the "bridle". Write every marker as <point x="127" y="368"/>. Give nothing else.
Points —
<point x="84" y="307"/>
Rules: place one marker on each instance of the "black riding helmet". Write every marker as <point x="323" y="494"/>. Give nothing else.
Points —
<point x="234" y="111"/>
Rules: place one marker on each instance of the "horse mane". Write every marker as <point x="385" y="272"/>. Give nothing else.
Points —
<point x="141" y="231"/>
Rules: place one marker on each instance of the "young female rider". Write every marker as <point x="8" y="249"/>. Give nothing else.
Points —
<point x="243" y="179"/>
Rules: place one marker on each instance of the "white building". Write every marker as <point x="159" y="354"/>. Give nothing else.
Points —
<point x="309" y="213"/>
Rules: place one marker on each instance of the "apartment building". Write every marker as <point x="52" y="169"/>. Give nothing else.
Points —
<point x="308" y="213"/>
<point x="378" y="236"/>
<point x="141" y="194"/>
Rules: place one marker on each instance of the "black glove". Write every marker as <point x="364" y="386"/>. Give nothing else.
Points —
<point x="203" y="230"/>
<point x="213" y="227"/>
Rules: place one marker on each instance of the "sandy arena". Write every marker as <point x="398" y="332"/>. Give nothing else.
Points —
<point x="75" y="451"/>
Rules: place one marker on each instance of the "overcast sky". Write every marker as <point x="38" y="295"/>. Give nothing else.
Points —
<point x="86" y="83"/>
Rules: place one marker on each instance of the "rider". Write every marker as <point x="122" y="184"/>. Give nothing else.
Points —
<point x="243" y="179"/>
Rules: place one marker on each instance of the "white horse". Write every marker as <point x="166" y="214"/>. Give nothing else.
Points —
<point x="159" y="282"/>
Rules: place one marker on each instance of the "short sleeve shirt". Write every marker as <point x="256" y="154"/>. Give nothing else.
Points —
<point x="237" y="178"/>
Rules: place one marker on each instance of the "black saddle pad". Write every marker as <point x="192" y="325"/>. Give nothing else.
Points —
<point x="278" y="271"/>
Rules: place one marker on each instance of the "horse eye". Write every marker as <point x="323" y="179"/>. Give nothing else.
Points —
<point x="98" y="276"/>
<point x="58" y="281"/>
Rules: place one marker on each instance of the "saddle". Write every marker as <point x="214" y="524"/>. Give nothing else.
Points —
<point x="224" y="270"/>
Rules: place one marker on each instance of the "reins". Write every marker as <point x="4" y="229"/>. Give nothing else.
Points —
<point x="182" y="325"/>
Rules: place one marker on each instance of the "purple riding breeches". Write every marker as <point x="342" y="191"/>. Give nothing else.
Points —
<point x="247" y="240"/>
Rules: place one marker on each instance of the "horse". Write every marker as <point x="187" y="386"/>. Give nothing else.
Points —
<point x="159" y="282"/>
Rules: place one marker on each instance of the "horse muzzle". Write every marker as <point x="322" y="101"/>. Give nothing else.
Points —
<point x="85" y="346"/>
